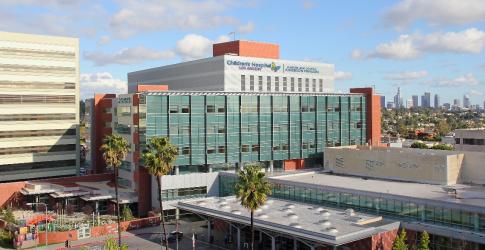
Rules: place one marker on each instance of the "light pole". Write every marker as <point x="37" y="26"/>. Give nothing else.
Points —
<point x="45" y="205"/>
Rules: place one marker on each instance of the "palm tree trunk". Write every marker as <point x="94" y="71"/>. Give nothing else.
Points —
<point x="117" y="207"/>
<point x="162" y="218"/>
<point x="252" y="230"/>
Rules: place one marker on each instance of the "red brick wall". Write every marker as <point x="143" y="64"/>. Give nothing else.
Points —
<point x="10" y="194"/>
<point x="294" y="164"/>
<point x="101" y="102"/>
<point x="57" y="237"/>
<point x="384" y="241"/>
<point x="247" y="48"/>
<point x="144" y="191"/>
<point x="373" y="115"/>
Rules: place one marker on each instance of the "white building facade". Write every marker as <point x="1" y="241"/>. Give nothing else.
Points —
<point x="39" y="106"/>
<point x="237" y="73"/>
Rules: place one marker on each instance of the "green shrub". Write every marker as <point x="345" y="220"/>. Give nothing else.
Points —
<point x="400" y="241"/>
<point x="419" y="145"/>
<point x="127" y="214"/>
<point x="424" y="241"/>
<point x="442" y="147"/>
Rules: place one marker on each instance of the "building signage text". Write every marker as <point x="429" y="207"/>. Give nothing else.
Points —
<point x="256" y="66"/>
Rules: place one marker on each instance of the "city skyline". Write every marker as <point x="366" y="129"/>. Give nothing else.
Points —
<point x="385" y="45"/>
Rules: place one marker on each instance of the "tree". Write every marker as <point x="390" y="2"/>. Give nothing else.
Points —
<point x="442" y="127"/>
<point x="115" y="148"/>
<point x="127" y="214"/>
<point x="400" y="241"/>
<point x="419" y="145"/>
<point x="110" y="244"/>
<point x="158" y="159"/>
<point x="253" y="189"/>
<point x="8" y="215"/>
<point x="424" y="241"/>
<point x="442" y="147"/>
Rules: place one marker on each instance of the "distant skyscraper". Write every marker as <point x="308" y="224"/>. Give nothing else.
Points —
<point x="409" y="103"/>
<point x="383" y="101"/>
<point x="466" y="101"/>
<point x="427" y="97"/>
<point x="456" y="102"/>
<point x="397" y="99"/>
<point x="484" y="105"/>
<point x="390" y="105"/>
<point x="436" y="101"/>
<point x="415" y="101"/>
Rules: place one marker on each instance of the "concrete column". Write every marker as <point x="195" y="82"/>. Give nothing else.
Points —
<point x="177" y="213"/>
<point x="423" y="213"/>
<point x="295" y="244"/>
<point x="273" y="243"/>
<point x="476" y="221"/>
<point x="209" y="168"/>
<point x="96" y="206"/>
<point x="176" y="170"/>
<point x="313" y="248"/>
<point x="209" y="231"/>
<point x="241" y="168"/>
<point x="238" y="238"/>
<point x="260" y="236"/>
<point x="271" y="167"/>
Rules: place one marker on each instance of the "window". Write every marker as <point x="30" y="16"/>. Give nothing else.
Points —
<point x="314" y="85"/>
<point x="284" y="146"/>
<point x="307" y="85"/>
<point x="320" y="85"/>
<point x="211" y="109"/>
<point x="255" y="148"/>
<point x="304" y="108"/>
<point x="221" y="130"/>
<point x="184" y="129"/>
<point x="221" y="109"/>
<point x="186" y="150"/>
<point x="221" y="149"/>
<point x="245" y="148"/>
<point x="268" y="83"/>
<point x="210" y="151"/>
<point x="292" y="84"/>
<point x="304" y="145"/>
<point x="185" y="109"/>
<point x="124" y="110"/>
<point x="471" y="141"/>
<point x="457" y="140"/>
<point x="243" y="82"/>
<point x="276" y="84"/>
<point x="260" y="83"/>
<point x="173" y="109"/>
<point x="359" y="125"/>
<point x="285" y="84"/>
<point x="299" y="85"/>
<point x="276" y="147"/>
<point x="251" y="83"/>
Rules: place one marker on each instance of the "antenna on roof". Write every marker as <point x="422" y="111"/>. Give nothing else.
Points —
<point x="233" y="33"/>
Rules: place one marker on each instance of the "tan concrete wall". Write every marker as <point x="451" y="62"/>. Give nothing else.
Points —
<point x="425" y="166"/>
<point x="473" y="170"/>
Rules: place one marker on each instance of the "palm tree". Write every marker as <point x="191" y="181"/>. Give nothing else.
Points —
<point x="253" y="189"/>
<point x="158" y="159"/>
<point x="115" y="148"/>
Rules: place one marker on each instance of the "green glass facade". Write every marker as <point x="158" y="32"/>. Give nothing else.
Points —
<point x="402" y="209"/>
<point x="228" y="128"/>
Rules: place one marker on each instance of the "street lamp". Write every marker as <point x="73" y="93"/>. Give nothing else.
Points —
<point x="46" y="229"/>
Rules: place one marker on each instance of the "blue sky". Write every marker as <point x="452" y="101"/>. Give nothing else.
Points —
<point x="419" y="45"/>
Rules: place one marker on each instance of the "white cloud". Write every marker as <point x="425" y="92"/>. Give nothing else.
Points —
<point x="357" y="54"/>
<point x="407" y="75"/>
<point x="474" y="92"/>
<point x="403" y="48"/>
<point x="127" y="56"/>
<point x="135" y="17"/>
<point x="434" y="12"/>
<point x="342" y="75"/>
<point x="469" y="41"/>
<point x="246" y="28"/>
<point x="193" y="46"/>
<point x="464" y="80"/>
<point x="104" y="40"/>
<point x="102" y="82"/>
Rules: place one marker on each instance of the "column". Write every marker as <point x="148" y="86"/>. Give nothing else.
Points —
<point x="238" y="238"/>
<point x="271" y="168"/>
<point x="241" y="168"/>
<point x="313" y="248"/>
<point x="295" y="244"/>
<point x="423" y="212"/>
<point x="177" y="213"/>
<point x="209" y="168"/>
<point x="96" y="206"/>
<point x="476" y="222"/>
<point x="209" y="231"/>
<point x="273" y="243"/>
<point x="260" y="236"/>
<point x="176" y="170"/>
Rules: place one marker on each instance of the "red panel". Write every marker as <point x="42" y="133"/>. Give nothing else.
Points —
<point x="373" y="115"/>
<point x="142" y="87"/>
<point x="247" y="48"/>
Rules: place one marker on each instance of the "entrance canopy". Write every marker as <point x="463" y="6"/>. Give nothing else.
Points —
<point x="322" y="225"/>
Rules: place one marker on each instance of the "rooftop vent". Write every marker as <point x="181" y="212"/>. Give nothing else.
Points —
<point x="349" y="212"/>
<point x="332" y="230"/>
<point x="289" y="205"/>
<point x="259" y="210"/>
<point x="293" y="216"/>
<point x="295" y="225"/>
<point x="263" y="216"/>
<point x="201" y="203"/>
<point x="325" y="223"/>
<point x="287" y="210"/>
<point x="236" y="212"/>
<point x="225" y="206"/>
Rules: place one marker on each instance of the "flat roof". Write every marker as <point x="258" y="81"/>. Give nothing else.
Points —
<point x="470" y="198"/>
<point x="225" y="93"/>
<point x="318" y="224"/>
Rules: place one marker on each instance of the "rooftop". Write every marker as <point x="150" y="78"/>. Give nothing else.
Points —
<point x="319" y="224"/>
<point x="224" y="93"/>
<point x="470" y="198"/>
